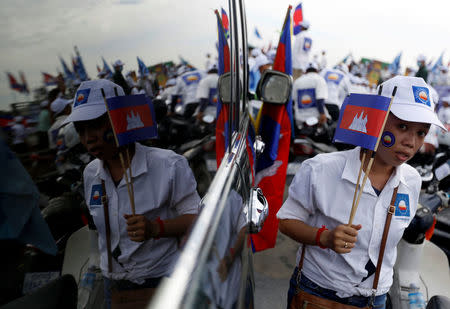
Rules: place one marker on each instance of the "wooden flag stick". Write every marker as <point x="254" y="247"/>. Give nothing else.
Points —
<point x="131" y="173"/>
<point x="363" y="160"/>
<point x="122" y="161"/>
<point x="369" y="166"/>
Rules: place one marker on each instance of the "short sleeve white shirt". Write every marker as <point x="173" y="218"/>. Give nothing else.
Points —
<point x="53" y="131"/>
<point x="338" y="84"/>
<point x="164" y="187"/>
<point x="307" y="89"/>
<point x="301" y="50"/>
<point x="321" y="193"/>
<point x="186" y="86"/>
<point x="206" y="85"/>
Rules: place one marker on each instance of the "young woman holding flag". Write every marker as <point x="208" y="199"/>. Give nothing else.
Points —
<point x="340" y="259"/>
<point x="136" y="250"/>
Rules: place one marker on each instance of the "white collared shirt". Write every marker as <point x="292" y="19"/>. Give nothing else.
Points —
<point x="338" y="84"/>
<point x="164" y="187"/>
<point x="321" y="193"/>
<point x="301" y="50"/>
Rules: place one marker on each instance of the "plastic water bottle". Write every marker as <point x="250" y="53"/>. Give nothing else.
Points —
<point x="86" y="287"/>
<point x="415" y="297"/>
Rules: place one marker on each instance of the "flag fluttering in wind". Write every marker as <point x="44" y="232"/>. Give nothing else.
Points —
<point x="257" y="34"/>
<point x="438" y="63"/>
<point x="222" y="109"/>
<point x="106" y="69"/>
<point x="49" y="80"/>
<point x="132" y="118"/>
<point x="361" y="120"/>
<point x="143" y="69"/>
<point x="225" y="23"/>
<point x="275" y="130"/>
<point x="68" y="74"/>
<point x="297" y="18"/>
<point x="394" y="67"/>
<point x="24" y="83"/>
<point x="13" y="83"/>
<point x="81" y="71"/>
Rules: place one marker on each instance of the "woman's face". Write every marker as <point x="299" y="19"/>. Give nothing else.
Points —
<point x="408" y="137"/>
<point x="97" y="136"/>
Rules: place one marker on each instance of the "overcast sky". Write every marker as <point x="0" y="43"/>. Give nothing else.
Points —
<point x="34" y="33"/>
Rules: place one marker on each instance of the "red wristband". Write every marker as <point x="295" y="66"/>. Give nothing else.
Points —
<point x="161" y="228"/>
<point x="319" y="232"/>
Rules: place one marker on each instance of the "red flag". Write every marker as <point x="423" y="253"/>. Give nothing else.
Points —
<point x="49" y="80"/>
<point x="13" y="83"/>
<point x="24" y="83"/>
<point x="222" y="109"/>
<point x="275" y="131"/>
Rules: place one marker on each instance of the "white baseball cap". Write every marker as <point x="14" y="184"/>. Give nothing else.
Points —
<point x="44" y="103"/>
<point x="305" y="24"/>
<point x="88" y="102"/>
<point x="262" y="60"/>
<point x="412" y="101"/>
<point x="313" y="65"/>
<point x="59" y="104"/>
<point x="118" y="63"/>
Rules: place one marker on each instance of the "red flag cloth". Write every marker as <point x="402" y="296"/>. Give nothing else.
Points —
<point x="275" y="131"/>
<point x="222" y="109"/>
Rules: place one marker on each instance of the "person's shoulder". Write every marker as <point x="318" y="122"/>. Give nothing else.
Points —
<point x="410" y="174"/>
<point x="91" y="168"/>
<point x="328" y="162"/>
<point x="160" y="155"/>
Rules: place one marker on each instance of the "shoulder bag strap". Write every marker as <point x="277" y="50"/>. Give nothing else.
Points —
<point x="107" y="225"/>
<point x="391" y="210"/>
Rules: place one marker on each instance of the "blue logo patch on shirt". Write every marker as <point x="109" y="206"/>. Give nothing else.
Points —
<point x="402" y="205"/>
<point x="306" y="98"/>
<point x="191" y="78"/>
<point x="333" y="77"/>
<point x="307" y="44"/>
<point x="81" y="97"/>
<point x="96" y="195"/>
<point x="212" y="97"/>
<point x="421" y="95"/>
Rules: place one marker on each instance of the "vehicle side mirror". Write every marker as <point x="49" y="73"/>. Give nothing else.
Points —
<point x="224" y="88"/>
<point x="274" y="87"/>
<point x="258" y="211"/>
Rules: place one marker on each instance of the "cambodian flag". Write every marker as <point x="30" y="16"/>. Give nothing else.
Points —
<point x="361" y="120"/>
<point x="13" y="83"/>
<point x="222" y="109"/>
<point x="49" y="80"/>
<point x="81" y="71"/>
<point x="225" y="22"/>
<point x="395" y="65"/>
<point x="275" y="131"/>
<point x="297" y="19"/>
<point x="24" y="83"/>
<point x="143" y="70"/>
<point x="133" y="118"/>
<point x="257" y="34"/>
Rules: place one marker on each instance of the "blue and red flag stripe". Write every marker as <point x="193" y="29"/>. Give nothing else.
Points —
<point x="222" y="109"/>
<point x="226" y="24"/>
<point x="361" y="120"/>
<point x="13" y="83"/>
<point x="49" y="80"/>
<point x="275" y="130"/>
<point x="297" y="19"/>
<point x="133" y="118"/>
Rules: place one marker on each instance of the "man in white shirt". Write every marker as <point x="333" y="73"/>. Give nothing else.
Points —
<point x="185" y="92"/>
<point x="309" y="93"/>
<point x="144" y="246"/>
<point x="339" y="262"/>
<point x="207" y="93"/>
<point x="339" y="86"/>
<point x="301" y="50"/>
<point x="61" y="108"/>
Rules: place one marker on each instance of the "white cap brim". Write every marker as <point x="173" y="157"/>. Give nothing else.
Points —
<point x="86" y="112"/>
<point x="416" y="114"/>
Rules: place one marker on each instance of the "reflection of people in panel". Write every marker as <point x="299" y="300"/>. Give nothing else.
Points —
<point x="144" y="246"/>
<point x="223" y="279"/>
<point x="339" y="262"/>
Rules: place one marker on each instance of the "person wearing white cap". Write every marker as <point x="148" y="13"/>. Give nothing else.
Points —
<point x="423" y="71"/>
<point x="339" y="260"/>
<point x="339" y="85"/>
<point x="309" y="93"/>
<point x="301" y="50"/>
<point x="118" y="77"/>
<point x="207" y="93"/>
<point x="184" y="95"/>
<point x="61" y="108"/>
<point x="18" y="132"/>
<point x="144" y="246"/>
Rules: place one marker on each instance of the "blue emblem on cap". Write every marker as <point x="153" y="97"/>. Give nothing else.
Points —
<point x="422" y="95"/>
<point x="402" y="205"/>
<point x="96" y="195"/>
<point x="81" y="97"/>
